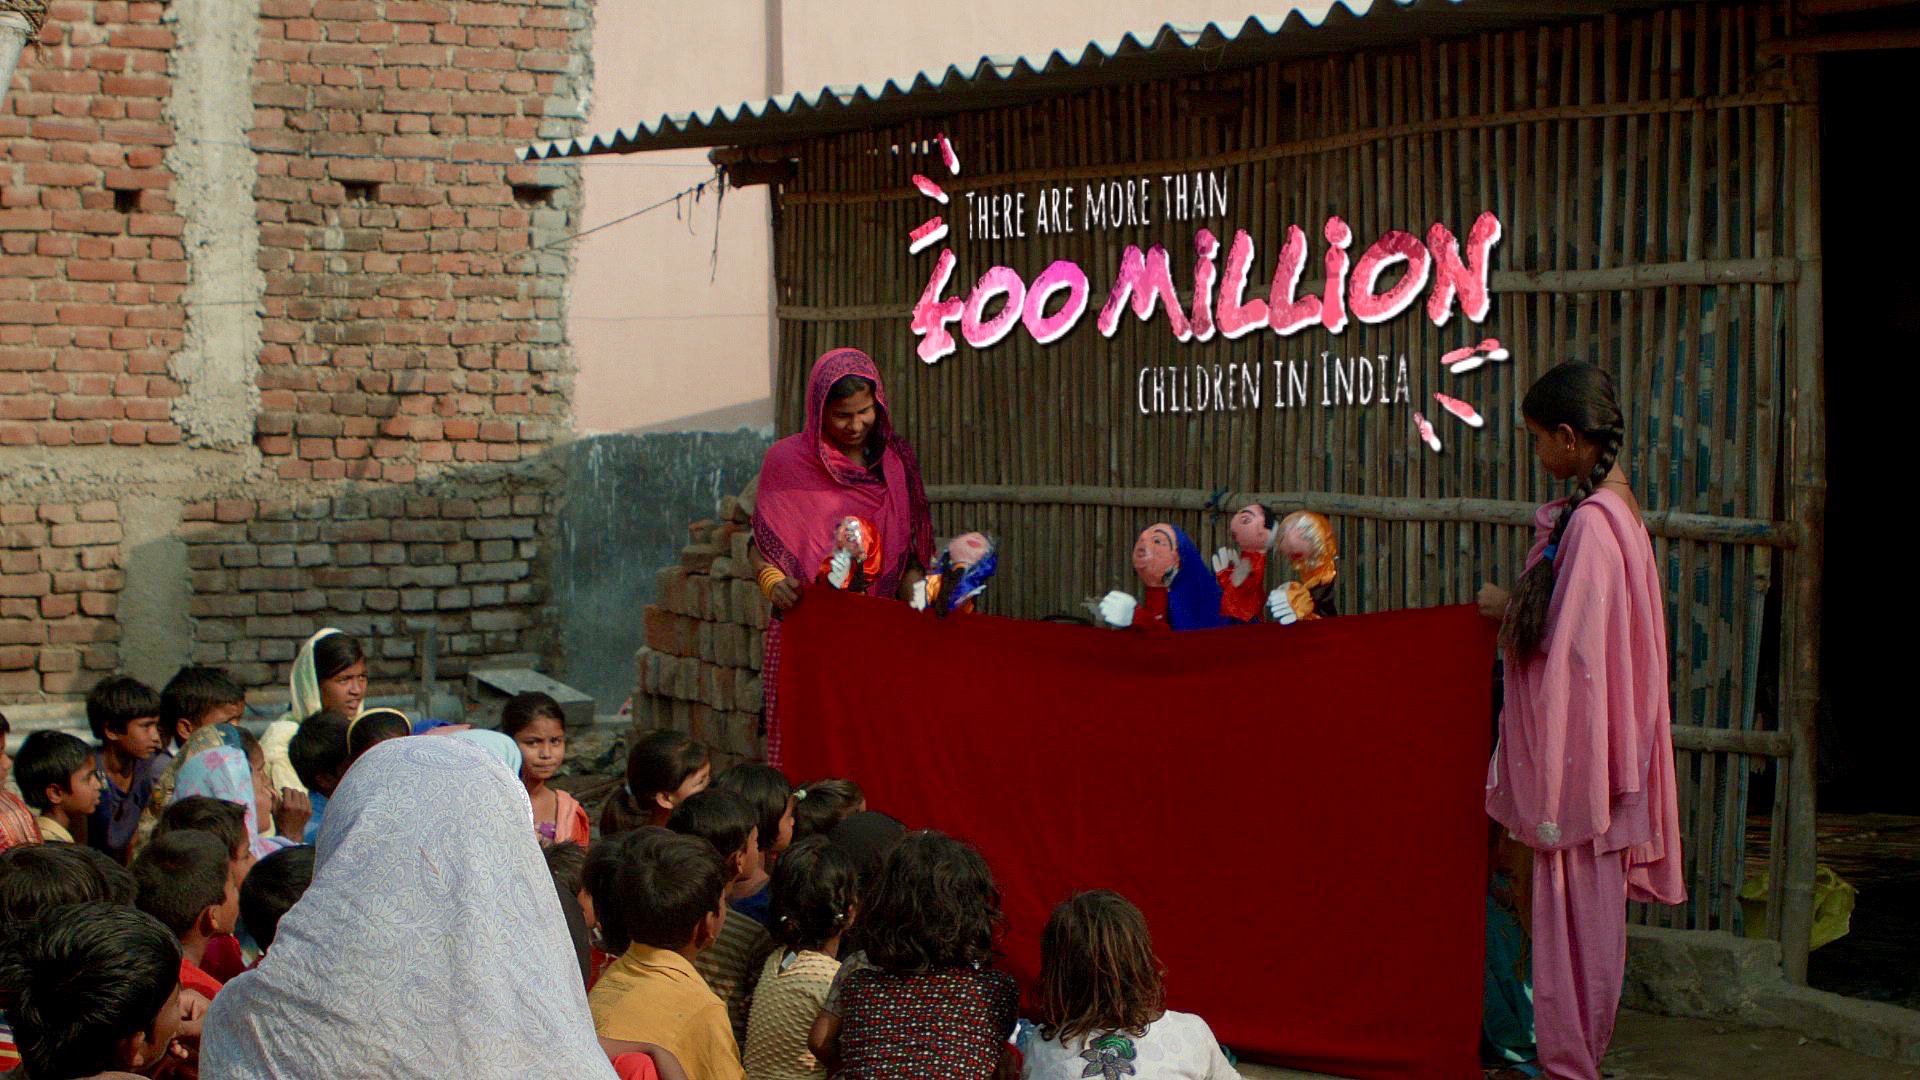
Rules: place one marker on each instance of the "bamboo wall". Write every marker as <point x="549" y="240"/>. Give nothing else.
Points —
<point x="1645" y="168"/>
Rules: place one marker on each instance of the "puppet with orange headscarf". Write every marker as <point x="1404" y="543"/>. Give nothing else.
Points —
<point x="1307" y="541"/>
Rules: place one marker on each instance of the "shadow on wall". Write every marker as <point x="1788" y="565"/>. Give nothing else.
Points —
<point x="623" y="516"/>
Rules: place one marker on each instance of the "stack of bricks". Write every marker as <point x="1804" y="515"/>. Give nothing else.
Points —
<point x="699" y="671"/>
<point x="60" y="576"/>
<point x="267" y="573"/>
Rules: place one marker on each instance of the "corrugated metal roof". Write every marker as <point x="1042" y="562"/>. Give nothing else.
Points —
<point x="999" y="80"/>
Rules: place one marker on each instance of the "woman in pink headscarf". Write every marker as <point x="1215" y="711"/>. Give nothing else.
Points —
<point x="1583" y="771"/>
<point x="847" y="461"/>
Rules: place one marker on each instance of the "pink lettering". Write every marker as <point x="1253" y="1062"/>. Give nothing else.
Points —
<point x="1145" y="280"/>
<point x="1236" y="317"/>
<point x="1063" y="274"/>
<point x="1333" y="302"/>
<point x="1206" y="249"/>
<point x="1397" y="246"/>
<point x="932" y="314"/>
<point x="1286" y="315"/>
<point x="1469" y="278"/>
<point x="999" y="281"/>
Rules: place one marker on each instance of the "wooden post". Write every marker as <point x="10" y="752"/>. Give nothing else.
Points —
<point x="1807" y="497"/>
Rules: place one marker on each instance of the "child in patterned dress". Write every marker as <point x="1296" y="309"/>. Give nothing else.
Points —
<point x="931" y="1006"/>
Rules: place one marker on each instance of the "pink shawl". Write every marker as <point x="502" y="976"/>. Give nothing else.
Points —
<point x="807" y="486"/>
<point x="1586" y="741"/>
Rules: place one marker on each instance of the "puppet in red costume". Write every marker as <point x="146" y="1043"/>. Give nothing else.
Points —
<point x="1242" y="570"/>
<point x="856" y="557"/>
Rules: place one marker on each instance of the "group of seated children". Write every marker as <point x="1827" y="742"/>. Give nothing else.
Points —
<point x="722" y="927"/>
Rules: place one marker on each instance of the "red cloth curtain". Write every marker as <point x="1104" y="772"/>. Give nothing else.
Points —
<point x="1297" y="809"/>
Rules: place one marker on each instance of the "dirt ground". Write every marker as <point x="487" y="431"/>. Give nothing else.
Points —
<point x="1647" y="1047"/>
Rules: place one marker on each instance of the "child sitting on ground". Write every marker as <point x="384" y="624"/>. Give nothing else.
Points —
<point x="819" y="806"/>
<point x="865" y="838"/>
<point x="534" y="721"/>
<point x="124" y="714"/>
<point x="930" y="1007"/>
<point x="275" y="885"/>
<point x="663" y="769"/>
<point x="91" y="989"/>
<point x="35" y="879"/>
<point x="373" y="727"/>
<point x="815" y="897"/>
<point x="58" y="779"/>
<point x="318" y="754"/>
<point x="16" y="821"/>
<point x="226" y="955"/>
<point x="724" y="820"/>
<point x="194" y="698"/>
<point x="672" y="893"/>
<point x="1102" y="1002"/>
<point x="768" y="794"/>
<point x="186" y="881"/>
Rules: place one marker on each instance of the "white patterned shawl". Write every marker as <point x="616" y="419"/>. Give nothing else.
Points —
<point x="430" y="945"/>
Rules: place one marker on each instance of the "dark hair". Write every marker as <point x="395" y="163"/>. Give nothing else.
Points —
<point x="935" y="906"/>
<point x="1581" y="397"/>
<point x="600" y="874"/>
<point x="374" y="727"/>
<point x="660" y="761"/>
<point x="567" y="863"/>
<point x="249" y="745"/>
<point x="6" y="728"/>
<point x="121" y="888"/>
<point x="274" y="884"/>
<point x="206" y="814"/>
<point x="190" y="693"/>
<point x="82" y="978"/>
<point x="848" y="385"/>
<point x="666" y="884"/>
<point x="117" y="701"/>
<point x="522" y="710"/>
<point x="49" y="758"/>
<point x="319" y="747"/>
<point x="766" y="792"/>
<point x="815" y="887"/>
<point x="819" y="806"/>
<point x="1097" y="969"/>
<point x="334" y="654"/>
<point x="36" y="878"/>
<point x="181" y="875"/>
<point x="721" y="818"/>
<point x="868" y="838"/>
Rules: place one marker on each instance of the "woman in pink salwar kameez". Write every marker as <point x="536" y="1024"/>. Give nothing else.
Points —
<point x="1583" y="771"/>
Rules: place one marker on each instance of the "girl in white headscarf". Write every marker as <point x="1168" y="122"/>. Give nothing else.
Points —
<point x="430" y="944"/>
<point x="330" y="672"/>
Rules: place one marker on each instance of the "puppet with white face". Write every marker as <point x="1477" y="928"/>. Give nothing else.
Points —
<point x="1242" y="569"/>
<point x="856" y="556"/>
<point x="1307" y="541"/>
<point x="959" y="575"/>
<point x="1180" y="595"/>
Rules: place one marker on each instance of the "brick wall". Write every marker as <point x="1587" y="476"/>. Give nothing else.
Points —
<point x="91" y="265"/>
<point x="699" y="671"/>
<point x="410" y="361"/>
<point x="59" y="590"/>
<point x="409" y="322"/>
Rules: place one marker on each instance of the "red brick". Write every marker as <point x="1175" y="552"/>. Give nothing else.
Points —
<point x="76" y="535"/>
<point x="99" y="510"/>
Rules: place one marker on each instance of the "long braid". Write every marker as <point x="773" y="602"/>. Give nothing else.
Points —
<point x="1525" y="626"/>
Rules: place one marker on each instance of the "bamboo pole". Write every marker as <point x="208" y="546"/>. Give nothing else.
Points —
<point x="1806" y="491"/>
<point x="1670" y="524"/>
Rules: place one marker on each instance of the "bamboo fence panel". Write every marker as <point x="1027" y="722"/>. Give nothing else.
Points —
<point x="1649" y="170"/>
